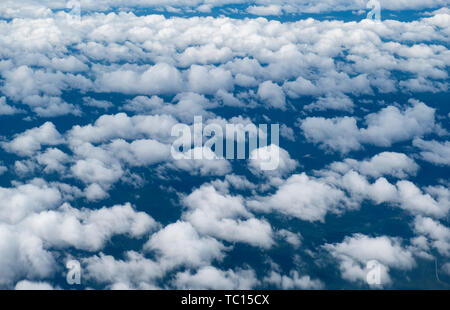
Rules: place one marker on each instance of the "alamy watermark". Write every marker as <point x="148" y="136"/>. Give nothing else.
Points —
<point x="73" y="276"/>
<point x="229" y="141"/>
<point x="373" y="276"/>
<point x="74" y="11"/>
<point x="375" y="12"/>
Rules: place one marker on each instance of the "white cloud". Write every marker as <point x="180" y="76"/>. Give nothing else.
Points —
<point x="225" y="217"/>
<point x="30" y="141"/>
<point x="95" y="192"/>
<point x="339" y="102"/>
<point x="204" y="55"/>
<point x="33" y="286"/>
<point x="25" y="257"/>
<point x="386" y="163"/>
<point x="53" y="160"/>
<point x="264" y="157"/>
<point x="302" y="197"/>
<point x="434" y="202"/>
<point x="33" y="8"/>
<point x="272" y="9"/>
<point x="208" y="80"/>
<point x="179" y="244"/>
<point x="195" y="65"/>
<point x="388" y="126"/>
<point x="353" y="253"/>
<point x="437" y="232"/>
<point x="134" y="271"/>
<point x="87" y="229"/>
<point x="446" y="268"/>
<point x="101" y="104"/>
<point x="433" y="151"/>
<point x="212" y="278"/>
<point x="294" y="239"/>
<point x="23" y="199"/>
<point x="208" y="163"/>
<point x="96" y="171"/>
<point x="272" y="95"/>
<point x="161" y="78"/>
<point x="121" y="126"/>
<point x="292" y="281"/>
<point x="6" y="109"/>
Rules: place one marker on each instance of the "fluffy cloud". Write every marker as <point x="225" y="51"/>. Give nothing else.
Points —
<point x="225" y="217"/>
<point x="339" y="102"/>
<point x="292" y="281"/>
<point x="96" y="171"/>
<point x="25" y="144"/>
<point x="303" y="63"/>
<point x="6" y="109"/>
<point x="23" y="199"/>
<point x="272" y="156"/>
<point x="202" y="161"/>
<point x="272" y="95"/>
<point x="180" y="244"/>
<point x="432" y="200"/>
<point x="433" y="151"/>
<point x="134" y="271"/>
<point x="215" y="279"/>
<point x="167" y="70"/>
<point x="256" y="7"/>
<point x="33" y="286"/>
<point x="387" y="163"/>
<point x="87" y="229"/>
<point x="121" y="126"/>
<point x="353" y="253"/>
<point x="388" y="126"/>
<point x="302" y="197"/>
<point x="25" y="257"/>
<point x="161" y="78"/>
<point x="436" y="232"/>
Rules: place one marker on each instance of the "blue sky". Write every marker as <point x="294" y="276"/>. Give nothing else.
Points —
<point x="87" y="107"/>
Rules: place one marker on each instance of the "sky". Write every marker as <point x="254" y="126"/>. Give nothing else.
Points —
<point x="91" y="93"/>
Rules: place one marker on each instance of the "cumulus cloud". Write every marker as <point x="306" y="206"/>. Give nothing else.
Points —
<point x="213" y="278"/>
<point x="133" y="272"/>
<point x="386" y="163"/>
<point x="225" y="217"/>
<point x="6" y="109"/>
<point x="301" y="197"/>
<point x="167" y="70"/>
<point x="202" y="161"/>
<point x="34" y="8"/>
<point x="30" y="141"/>
<point x="23" y="199"/>
<point x="354" y="252"/>
<point x="384" y="128"/>
<point x="121" y="126"/>
<point x="438" y="234"/>
<point x="292" y="281"/>
<point x="339" y="102"/>
<point x="87" y="229"/>
<point x="33" y="286"/>
<point x="431" y="201"/>
<point x="272" y="156"/>
<point x="272" y="95"/>
<point x="161" y="78"/>
<point x="433" y="151"/>
<point x="25" y="256"/>
<point x="180" y="244"/>
<point x="100" y="104"/>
